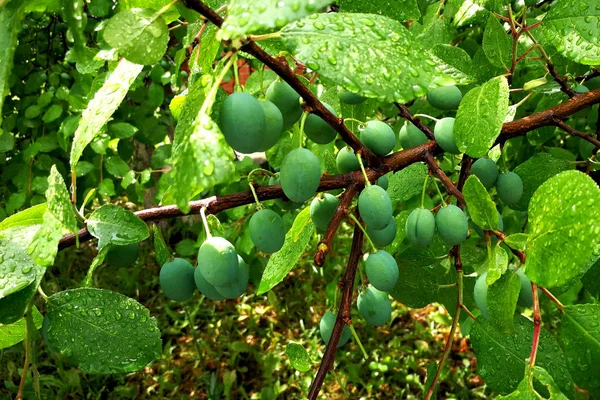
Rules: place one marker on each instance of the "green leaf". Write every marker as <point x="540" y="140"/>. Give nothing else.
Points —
<point x="121" y="130"/>
<point x="502" y="356"/>
<point x="201" y="158"/>
<point x="496" y="264"/>
<point x="160" y="247"/>
<point x="572" y="27"/>
<point x="282" y="262"/>
<point x="517" y="241"/>
<point x="497" y="45"/>
<point x="102" y="331"/>
<point x="591" y="280"/>
<point x="502" y="298"/>
<point x="53" y="113"/>
<point x="401" y="10"/>
<point x="419" y="284"/>
<point x="11" y="15"/>
<point x="59" y="201"/>
<point x="116" y="166"/>
<point x="535" y="171"/>
<point x="169" y="15"/>
<point x="17" y="269"/>
<point x="114" y="225"/>
<point x="73" y="15"/>
<point x="29" y="217"/>
<point x="407" y="182"/>
<point x="251" y="16"/>
<point x="480" y="116"/>
<point x="16" y="332"/>
<point x="371" y="55"/>
<point x="580" y="338"/>
<point x="102" y="106"/>
<point x="454" y="62"/>
<point x="569" y="221"/>
<point x="300" y="222"/>
<point x="140" y="35"/>
<point x="397" y="244"/>
<point x="298" y="357"/>
<point x="526" y="391"/>
<point x="482" y="208"/>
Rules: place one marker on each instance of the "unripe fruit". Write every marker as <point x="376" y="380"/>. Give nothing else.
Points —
<point x="410" y="136"/>
<point x="481" y="233"/>
<point x="480" y="293"/>
<point x="243" y="122"/>
<point x="382" y="270"/>
<point x="375" y="207"/>
<point x="206" y="288"/>
<point x="217" y="261"/>
<point x="288" y="102"/>
<point x="236" y="288"/>
<point x="581" y="89"/>
<point x="444" y="135"/>
<point x="346" y="160"/>
<point x="300" y="175"/>
<point x="486" y="170"/>
<point x="177" y="279"/>
<point x="420" y="227"/>
<point x="379" y="137"/>
<point x="351" y="98"/>
<point x="374" y="306"/>
<point x="452" y="224"/>
<point x="525" y="294"/>
<point x="267" y="231"/>
<point x="322" y="209"/>
<point x="122" y="256"/>
<point x="317" y="130"/>
<point x="383" y="181"/>
<point x="273" y="125"/>
<point x="326" y="328"/>
<point x="385" y="236"/>
<point x="286" y="205"/>
<point x="445" y="97"/>
<point x="509" y="187"/>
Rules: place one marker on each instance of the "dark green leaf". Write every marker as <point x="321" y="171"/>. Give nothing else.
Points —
<point x="114" y="225"/>
<point x="15" y="333"/>
<point x="160" y="247"/>
<point x="102" y="331"/>
<point x="454" y="62"/>
<point x="418" y="286"/>
<point x="502" y="298"/>
<point x="497" y="45"/>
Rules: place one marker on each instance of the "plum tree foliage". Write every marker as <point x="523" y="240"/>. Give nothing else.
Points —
<point x="345" y="132"/>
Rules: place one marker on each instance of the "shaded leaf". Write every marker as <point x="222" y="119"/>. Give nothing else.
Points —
<point x="454" y="62"/>
<point x="16" y="332"/>
<point x="502" y="298"/>
<point x="482" y="208"/>
<point x="497" y="45"/>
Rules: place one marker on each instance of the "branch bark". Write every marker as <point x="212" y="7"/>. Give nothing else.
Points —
<point x="406" y="114"/>
<point x="572" y="131"/>
<point x="343" y="315"/>
<point x="435" y="168"/>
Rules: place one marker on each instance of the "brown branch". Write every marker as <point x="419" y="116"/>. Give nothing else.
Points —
<point x="343" y="316"/>
<point x="570" y="130"/>
<point x="435" y="168"/>
<point x="553" y="298"/>
<point x="465" y="171"/>
<point x="281" y="67"/>
<point x="502" y="237"/>
<point x="340" y="213"/>
<point x="406" y="114"/>
<point x="537" y="325"/>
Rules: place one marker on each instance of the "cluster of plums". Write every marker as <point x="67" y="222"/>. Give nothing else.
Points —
<point x="508" y="185"/>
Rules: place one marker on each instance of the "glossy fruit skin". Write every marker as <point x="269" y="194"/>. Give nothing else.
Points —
<point x="239" y="285"/>
<point x="509" y="187"/>
<point x="486" y="170"/>
<point x="525" y="294"/>
<point x="300" y="175"/>
<point x="480" y="292"/>
<point x="317" y="130"/>
<point x="123" y="256"/>
<point x="351" y="98"/>
<point x="445" y="97"/>
<point x="346" y="160"/>
<point x="382" y="270"/>
<point x="374" y="306"/>
<point x="420" y="227"/>
<point x="217" y="261"/>
<point x="410" y="136"/>
<point x="177" y="279"/>
<point x="385" y="236"/>
<point x="375" y="207"/>
<point x="452" y="224"/>
<point x="242" y="121"/>
<point x="285" y="205"/>
<point x="206" y="288"/>
<point x="444" y="135"/>
<point x="273" y="125"/>
<point x="267" y="231"/>
<point x="481" y="233"/>
<point x="326" y="328"/>
<point x="383" y="181"/>
<point x="287" y="100"/>
<point x="379" y="137"/>
<point x="322" y="209"/>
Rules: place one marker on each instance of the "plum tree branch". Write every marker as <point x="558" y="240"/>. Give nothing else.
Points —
<point x="341" y="212"/>
<point x="537" y="325"/>
<point x="435" y="168"/>
<point x="343" y="315"/>
<point x="406" y="114"/>
<point x="393" y="162"/>
<point x="281" y="67"/>
<point x="572" y="131"/>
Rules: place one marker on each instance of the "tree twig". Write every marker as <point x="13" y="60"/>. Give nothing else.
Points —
<point x="570" y="130"/>
<point x="537" y="325"/>
<point x="437" y="170"/>
<point x="342" y="210"/>
<point x="406" y="114"/>
<point x="553" y="298"/>
<point x="343" y="315"/>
